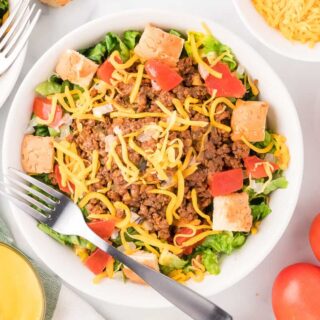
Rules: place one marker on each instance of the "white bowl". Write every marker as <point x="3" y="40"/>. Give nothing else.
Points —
<point x="282" y="117"/>
<point x="271" y="37"/>
<point x="8" y="80"/>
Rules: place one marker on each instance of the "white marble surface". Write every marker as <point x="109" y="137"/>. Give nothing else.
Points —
<point x="250" y="299"/>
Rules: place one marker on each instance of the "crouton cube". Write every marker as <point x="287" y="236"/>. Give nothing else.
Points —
<point x="249" y="120"/>
<point x="160" y="45"/>
<point x="76" y="68"/>
<point x="55" y="3"/>
<point x="232" y="213"/>
<point x="148" y="259"/>
<point x="37" y="154"/>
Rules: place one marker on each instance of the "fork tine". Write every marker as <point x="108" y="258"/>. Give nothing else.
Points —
<point x="16" y="23"/>
<point x="26" y="197"/>
<point x="52" y="192"/>
<point x="24" y="207"/>
<point x="34" y="192"/>
<point x="23" y="40"/>
<point x="11" y="17"/>
<point x="13" y="38"/>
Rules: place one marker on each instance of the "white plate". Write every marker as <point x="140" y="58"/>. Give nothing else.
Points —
<point x="8" y="80"/>
<point x="282" y="117"/>
<point x="271" y="37"/>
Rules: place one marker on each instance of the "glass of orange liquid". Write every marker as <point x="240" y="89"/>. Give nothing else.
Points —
<point x="21" y="292"/>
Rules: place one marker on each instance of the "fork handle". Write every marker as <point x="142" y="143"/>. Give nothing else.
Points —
<point x="187" y="300"/>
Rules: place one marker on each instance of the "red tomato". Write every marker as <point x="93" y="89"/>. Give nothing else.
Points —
<point x="103" y="229"/>
<point x="42" y="109"/>
<point x="106" y="69"/>
<point x="314" y="236"/>
<point x="163" y="75"/>
<point x="255" y="169"/>
<point x="98" y="261"/>
<point x="225" y="182"/>
<point x="57" y="176"/>
<point x="181" y="239"/>
<point x="228" y="86"/>
<point x="295" y="293"/>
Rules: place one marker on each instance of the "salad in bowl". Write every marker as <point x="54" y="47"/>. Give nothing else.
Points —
<point x="161" y="138"/>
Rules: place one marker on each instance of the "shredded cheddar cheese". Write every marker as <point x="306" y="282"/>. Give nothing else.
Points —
<point x="296" y="19"/>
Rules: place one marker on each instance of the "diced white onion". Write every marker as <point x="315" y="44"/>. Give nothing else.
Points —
<point x="64" y="131"/>
<point x="114" y="234"/>
<point x="134" y="217"/>
<point x="117" y="130"/>
<point x="131" y="245"/>
<point x="155" y="85"/>
<point x="240" y="70"/>
<point x="100" y="111"/>
<point x="30" y="130"/>
<point x="203" y="72"/>
<point x="109" y="140"/>
<point x="270" y="157"/>
<point x="257" y="187"/>
<point x="151" y="131"/>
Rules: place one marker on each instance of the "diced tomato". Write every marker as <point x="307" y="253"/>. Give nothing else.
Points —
<point x="225" y="182"/>
<point x="105" y="71"/>
<point x="98" y="261"/>
<point x="103" y="229"/>
<point x="42" y="109"/>
<point x="255" y="167"/>
<point x="181" y="239"/>
<point x="228" y="86"/>
<point x="166" y="77"/>
<point x="57" y="176"/>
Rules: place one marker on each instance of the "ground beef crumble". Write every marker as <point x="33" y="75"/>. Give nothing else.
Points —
<point x="220" y="152"/>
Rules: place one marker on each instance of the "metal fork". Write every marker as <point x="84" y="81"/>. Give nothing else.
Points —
<point x="15" y="32"/>
<point x="65" y="217"/>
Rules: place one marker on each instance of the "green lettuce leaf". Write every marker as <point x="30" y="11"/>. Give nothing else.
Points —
<point x="169" y="261"/>
<point x="210" y="260"/>
<point x="66" y="239"/>
<point x="41" y="131"/>
<point x="225" y="242"/>
<point x="176" y="33"/>
<point x="260" y="211"/>
<point x="278" y="183"/>
<point x="209" y="44"/>
<point x="131" y="38"/>
<point x="4" y="6"/>
<point x="113" y="42"/>
<point x="47" y="88"/>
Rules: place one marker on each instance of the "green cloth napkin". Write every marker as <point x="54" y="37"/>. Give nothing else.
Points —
<point x="50" y="282"/>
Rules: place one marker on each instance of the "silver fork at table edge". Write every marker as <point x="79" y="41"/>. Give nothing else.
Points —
<point x="15" y="32"/>
<point x="65" y="217"/>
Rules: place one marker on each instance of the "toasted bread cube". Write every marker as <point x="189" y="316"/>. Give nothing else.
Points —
<point x="249" y="120"/>
<point x="148" y="259"/>
<point x="160" y="45"/>
<point x="232" y="213"/>
<point x="55" y="3"/>
<point x="37" y="154"/>
<point x="76" y="68"/>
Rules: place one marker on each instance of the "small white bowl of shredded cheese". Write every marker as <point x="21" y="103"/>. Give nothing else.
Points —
<point x="277" y="23"/>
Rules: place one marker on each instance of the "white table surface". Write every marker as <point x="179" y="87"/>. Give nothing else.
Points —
<point x="250" y="299"/>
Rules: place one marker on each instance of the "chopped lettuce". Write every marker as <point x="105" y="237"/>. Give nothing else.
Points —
<point x="53" y="132"/>
<point x="41" y="131"/>
<point x="278" y="183"/>
<point x="47" y="88"/>
<point x="225" y="242"/>
<point x="66" y="239"/>
<point x="113" y="42"/>
<point x="110" y="43"/>
<point x="176" y="33"/>
<point x="260" y="211"/>
<point x="267" y="140"/>
<point x="210" y="260"/>
<point x="169" y="262"/>
<point x="208" y="45"/>
<point x="131" y="38"/>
